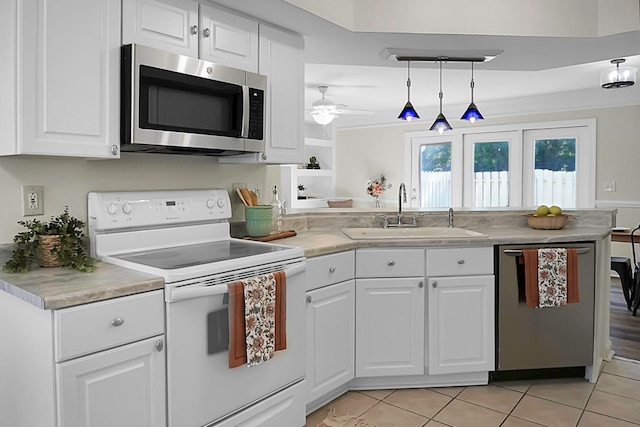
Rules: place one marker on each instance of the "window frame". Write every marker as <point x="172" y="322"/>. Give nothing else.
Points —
<point x="462" y="166"/>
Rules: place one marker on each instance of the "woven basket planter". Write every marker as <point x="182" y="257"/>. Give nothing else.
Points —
<point x="45" y="245"/>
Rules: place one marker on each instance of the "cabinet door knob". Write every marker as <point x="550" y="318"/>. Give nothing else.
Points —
<point x="206" y="33"/>
<point x="391" y="263"/>
<point x="114" y="150"/>
<point x="309" y="299"/>
<point x="118" y="321"/>
<point x="421" y="284"/>
<point x="332" y="270"/>
<point x="194" y="30"/>
<point x="434" y="284"/>
<point x="159" y="345"/>
<point x="460" y="261"/>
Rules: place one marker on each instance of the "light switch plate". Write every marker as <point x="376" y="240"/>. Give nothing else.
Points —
<point x="32" y="200"/>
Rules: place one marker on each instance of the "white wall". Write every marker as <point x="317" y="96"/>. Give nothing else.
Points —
<point x="67" y="181"/>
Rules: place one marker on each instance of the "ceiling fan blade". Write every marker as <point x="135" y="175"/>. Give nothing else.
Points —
<point x="352" y="112"/>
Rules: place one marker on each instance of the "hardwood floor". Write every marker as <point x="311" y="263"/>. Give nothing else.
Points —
<point x="624" y="328"/>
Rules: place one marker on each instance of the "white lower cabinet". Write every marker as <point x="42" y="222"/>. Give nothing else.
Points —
<point x="389" y="312"/>
<point x="91" y="365"/>
<point x="330" y="338"/>
<point x="119" y="387"/>
<point x="461" y="310"/>
<point x="330" y="323"/>
<point x="389" y="327"/>
<point x="461" y="324"/>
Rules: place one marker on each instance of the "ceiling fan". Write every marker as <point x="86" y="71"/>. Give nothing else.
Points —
<point x="323" y="111"/>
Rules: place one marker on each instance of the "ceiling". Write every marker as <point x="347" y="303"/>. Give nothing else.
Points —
<point x="533" y="73"/>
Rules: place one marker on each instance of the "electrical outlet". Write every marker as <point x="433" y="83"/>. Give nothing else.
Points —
<point x="609" y="186"/>
<point x="32" y="200"/>
<point x="259" y="190"/>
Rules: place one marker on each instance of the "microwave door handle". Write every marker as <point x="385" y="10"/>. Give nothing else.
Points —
<point x="244" y="132"/>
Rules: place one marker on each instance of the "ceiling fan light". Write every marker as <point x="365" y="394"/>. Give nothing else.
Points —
<point x="441" y="124"/>
<point x="472" y="114"/>
<point x="408" y="113"/>
<point x="323" y="118"/>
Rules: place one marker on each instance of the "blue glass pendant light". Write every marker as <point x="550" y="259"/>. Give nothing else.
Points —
<point x="441" y="124"/>
<point x="472" y="114"/>
<point x="408" y="113"/>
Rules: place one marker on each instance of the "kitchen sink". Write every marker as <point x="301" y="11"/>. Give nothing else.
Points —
<point x="435" y="233"/>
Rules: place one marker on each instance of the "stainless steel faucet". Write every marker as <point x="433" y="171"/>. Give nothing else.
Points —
<point x="450" y="217"/>
<point x="402" y="196"/>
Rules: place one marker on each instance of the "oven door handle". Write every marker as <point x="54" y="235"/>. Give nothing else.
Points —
<point x="207" y="291"/>
<point x="518" y="252"/>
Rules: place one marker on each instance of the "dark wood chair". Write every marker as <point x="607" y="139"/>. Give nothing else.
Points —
<point x="634" y="290"/>
<point x="622" y="266"/>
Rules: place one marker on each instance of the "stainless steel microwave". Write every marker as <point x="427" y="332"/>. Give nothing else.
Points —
<point x="178" y="104"/>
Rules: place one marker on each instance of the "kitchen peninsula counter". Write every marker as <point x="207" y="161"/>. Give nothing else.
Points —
<point x="322" y="242"/>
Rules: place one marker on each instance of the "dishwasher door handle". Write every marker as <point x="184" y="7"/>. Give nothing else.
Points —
<point x="518" y="252"/>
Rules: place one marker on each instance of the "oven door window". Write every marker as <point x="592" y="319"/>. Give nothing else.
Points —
<point x="179" y="102"/>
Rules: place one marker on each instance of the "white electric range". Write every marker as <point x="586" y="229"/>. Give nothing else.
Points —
<point x="183" y="236"/>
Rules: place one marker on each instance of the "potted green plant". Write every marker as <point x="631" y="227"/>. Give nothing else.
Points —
<point x="59" y="242"/>
<point x="313" y="163"/>
<point x="301" y="189"/>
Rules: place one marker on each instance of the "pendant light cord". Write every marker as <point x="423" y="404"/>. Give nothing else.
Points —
<point x="408" y="80"/>
<point x="440" y="94"/>
<point x="472" y="82"/>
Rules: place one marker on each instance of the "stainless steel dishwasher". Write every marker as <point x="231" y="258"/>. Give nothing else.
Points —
<point x="540" y="338"/>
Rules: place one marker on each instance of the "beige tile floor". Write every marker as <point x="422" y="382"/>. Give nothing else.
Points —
<point x="614" y="401"/>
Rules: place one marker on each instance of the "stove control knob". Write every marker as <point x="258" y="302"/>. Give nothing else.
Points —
<point x="127" y="208"/>
<point x="112" y="209"/>
<point x="220" y="203"/>
<point x="210" y="203"/>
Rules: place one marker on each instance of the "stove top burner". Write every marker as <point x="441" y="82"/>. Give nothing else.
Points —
<point x="198" y="254"/>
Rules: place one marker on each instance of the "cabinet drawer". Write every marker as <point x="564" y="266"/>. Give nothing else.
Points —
<point x="459" y="261"/>
<point x="329" y="269"/>
<point x="389" y="262"/>
<point x="101" y="325"/>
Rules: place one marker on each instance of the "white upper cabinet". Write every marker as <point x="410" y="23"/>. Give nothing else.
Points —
<point x="281" y="60"/>
<point x="228" y="39"/>
<point x="194" y="29"/>
<point x="67" y="78"/>
<point x="164" y="24"/>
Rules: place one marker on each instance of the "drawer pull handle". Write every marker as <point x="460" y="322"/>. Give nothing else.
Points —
<point x="391" y="263"/>
<point x="434" y="284"/>
<point x="118" y="321"/>
<point x="159" y="345"/>
<point x="421" y="284"/>
<point x="332" y="270"/>
<point x="460" y="261"/>
<point x="309" y="299"/>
